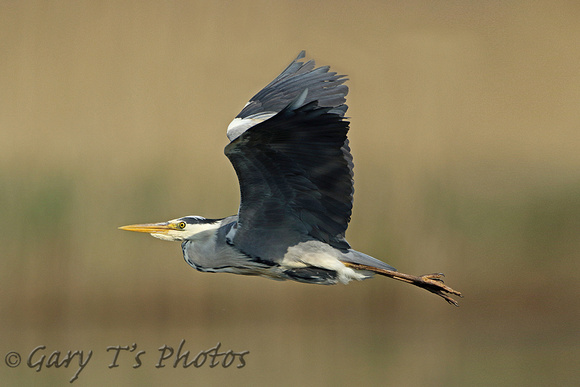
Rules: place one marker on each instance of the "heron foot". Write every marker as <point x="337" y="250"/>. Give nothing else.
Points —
<point x="434" y="284"/>
<point x="431" y="282"/>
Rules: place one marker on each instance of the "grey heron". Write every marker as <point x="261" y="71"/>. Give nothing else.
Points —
<point x="290" y="151"/>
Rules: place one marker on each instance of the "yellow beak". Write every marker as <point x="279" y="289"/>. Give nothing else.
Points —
<point x="149" y="227"/>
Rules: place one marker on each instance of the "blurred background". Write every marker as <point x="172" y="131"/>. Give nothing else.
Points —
<point x="465" y="133"/>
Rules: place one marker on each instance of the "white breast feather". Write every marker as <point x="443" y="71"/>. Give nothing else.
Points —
<point x="318" y="254"/>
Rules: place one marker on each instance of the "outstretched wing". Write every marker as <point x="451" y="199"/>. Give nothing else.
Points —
<point x="295" y="166"/>
<point x="323" y="86"/>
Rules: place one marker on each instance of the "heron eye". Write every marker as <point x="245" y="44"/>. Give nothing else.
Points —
<point x="181" y="225"/>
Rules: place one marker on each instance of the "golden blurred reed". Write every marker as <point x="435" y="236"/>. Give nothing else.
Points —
<point x="465" y="130"/>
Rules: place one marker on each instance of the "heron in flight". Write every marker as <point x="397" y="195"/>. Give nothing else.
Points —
<point x="290" y="151"/>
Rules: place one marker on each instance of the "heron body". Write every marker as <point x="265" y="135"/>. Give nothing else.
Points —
<point x="290" y="151"/>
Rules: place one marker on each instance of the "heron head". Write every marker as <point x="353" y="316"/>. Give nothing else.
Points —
<point x="174" y="230"/>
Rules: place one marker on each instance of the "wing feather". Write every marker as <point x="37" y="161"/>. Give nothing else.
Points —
<point x="293" y="164"/>
<point x="323" y="86"/>
<point x="295" y="183"/>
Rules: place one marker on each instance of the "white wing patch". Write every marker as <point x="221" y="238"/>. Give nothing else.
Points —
<point x="240" y="125"/>
<point x="231" y="235"/>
